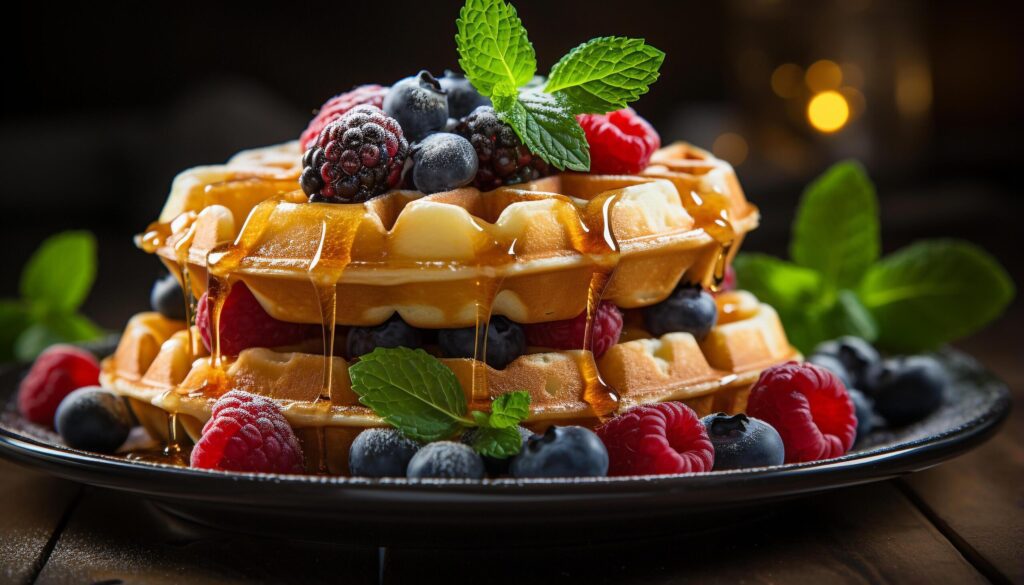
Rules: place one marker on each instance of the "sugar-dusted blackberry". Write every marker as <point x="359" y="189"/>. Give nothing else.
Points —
<point x="504" y="159"/>
<point x="356" y="157"/>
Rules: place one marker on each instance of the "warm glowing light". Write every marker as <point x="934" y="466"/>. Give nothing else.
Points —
<point x="913" y="89"/>
<point x="855" y="99"/>
<point x="823" y="76"/>
<point x="731" y="147"/>
<point x="786" y="80"/>
<point x="828" y="111"/>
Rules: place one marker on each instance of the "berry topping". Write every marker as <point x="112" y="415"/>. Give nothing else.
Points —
<point x="93" y="419"/>
<point x="862" y="362"/>
<point x="493" y="465"/>
<point x="381" y="453"/>
<point x="741" y="441"/>
<point x="247" y="432"/>
<point x="728" y="280"/>
<point x="446" y="459"/>
<point x="244" y="324"/>
<point x="392" y="333"/>
<point x="463" y="98"/>
<point x="562" y="452"/>
<point x="357" y="156"/>
<point x="569" y="333"/>
<point x="832" y="364"/>
<point x="337" y="106"/>
<point x="167" y="298"/>
<point x="620" y="142"/>
<point x="504" y="159"/>
<point x="910" y="389"/>
<point x="809" y="407"/>
<point x="419" y="104"/>
<point x="657" y="439"/>
<point x="864" y="407"/>
<point x="688" y="309"/>
<point x="505" y="342"/>
<point x="443" y="162"/>
<point x="56" y="373"/>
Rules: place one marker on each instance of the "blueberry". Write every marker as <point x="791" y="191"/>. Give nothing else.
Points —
<point x="463" y="98"/>
<point x="446" y="459"/>
<point x="506" y="341"/>
<point x="909" y="389"/>
<point x="562" y="452"/>
<point x="688" y="309"/>
<point x="392" y="333"/>
<point x="832" y="364"/>
<point x="93" y="419"/>
<point x="381" y="453"/>
<point x="865" y="412"/>
<point x="443" y="162"/>
<point x="167" y="298"/>
<point x="494" y="465"/>
<point x="741" y="441"/>
<point x="419" y="104"/>
<point x="861" y="360"/>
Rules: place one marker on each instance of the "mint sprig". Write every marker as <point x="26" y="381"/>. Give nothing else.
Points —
<point x="420" y="396"/>
<point x="599" y="76"/>
<point x="930" y="293"/>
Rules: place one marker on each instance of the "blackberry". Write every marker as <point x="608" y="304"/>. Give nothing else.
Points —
<point x="356" y="157"/>
<point x="504" y="159"/>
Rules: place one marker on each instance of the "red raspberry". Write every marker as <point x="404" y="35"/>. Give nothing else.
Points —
<point x="657" y="439"/>
<point x="568" y="333"/>
<point x="809" y="407"/>
<point x="620" y="142"/>
<point x="247" y="433"/>
<point x="57" y="372"/>
<point x="729" y="281"/>
<point x="244" y="324"/>
<point x="339" y="105"/>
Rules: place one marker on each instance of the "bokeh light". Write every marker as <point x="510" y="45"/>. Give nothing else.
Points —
<point x="913" y="89"/>
<point x="823" y="75"/>
<point x="828" y="111"/>
<point x="731" y="147"/>
<point x="786" y="80"/>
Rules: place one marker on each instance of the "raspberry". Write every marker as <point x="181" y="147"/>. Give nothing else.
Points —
<point x="728" y="281"/>
<point x="504" y="159"/>
<point x="657" y="439"/>
<point x="357" y="156"/>
<point x="244" y="324"/>
<point x="57" y="372"/>
<point x="810" y="408"/>
<point x="568" y="333"/>
<point x="620" y="142"/>
<point x="337" y="106"/>
<point x="247" y="433"/>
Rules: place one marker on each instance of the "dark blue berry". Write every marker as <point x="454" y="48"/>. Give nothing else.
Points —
<point x="167" y="298"/>
<point x="381" y="453"/>
<point x="909" y="389"/>
<point x="446" y="459"/>
<point x="562" y="452"/>
<point x="506" y="341"/>
<point x="861" y="360"/>
<point x="419" y="104"/>
<point x="443" y="162"/>
<point x="689" y="309"/>
<point x="741" y="441"/>
<point x="864" y="408"/>
<point x="93" y="419"/>
<point x="392" y="333"/>
<point x="494" y="465"/>
<point x="832" y="364"/>
<point x="463" y="98"/>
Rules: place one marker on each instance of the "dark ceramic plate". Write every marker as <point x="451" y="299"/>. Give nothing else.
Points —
<point x="440" y="512"/>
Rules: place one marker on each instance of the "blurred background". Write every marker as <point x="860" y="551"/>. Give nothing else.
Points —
<point x="103" y="106"/>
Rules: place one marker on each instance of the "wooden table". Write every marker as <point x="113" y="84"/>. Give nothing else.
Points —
<point x="962" y="522"/>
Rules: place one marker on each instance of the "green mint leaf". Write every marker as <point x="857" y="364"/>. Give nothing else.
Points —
<point x="794" y="292"/>
<point x="605" y="74"/>
<point x="481" y="418"/>
<point x="933" y="292"/>
<point x="14" y="319"/>
<point x="60" y="273"/>
<point x="493" y="47"/>
<point x="508" y="410"/>
<point x="836" y="229"/>
<point x="500" y="443"/>
<point x="850" y="317"/>
<point x="411" y="390"/>
<point x="546" y="124"/>
<point x="54" y="328"/>
<point x="34" y="340"/>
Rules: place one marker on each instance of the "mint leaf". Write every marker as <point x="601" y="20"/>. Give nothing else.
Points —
<point x="605" y="74"/>
<point x="54" y="328"/>
<point x="508" y="410"/>
<point x="794" y="292"/>
<point x="933" y="292"/>
<point x="546" y="124"/>
<point x="411" y="390"/>
<point x="850" y="317"/>
<point x="836" y="229"/>
<point x="499" y="443"/>
<point x="60" y="273"/>
<point x="493" y="47"/>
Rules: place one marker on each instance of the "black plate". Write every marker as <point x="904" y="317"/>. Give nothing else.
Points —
<point x="440" y="512"/>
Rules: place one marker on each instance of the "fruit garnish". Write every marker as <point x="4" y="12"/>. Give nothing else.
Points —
<point x="420" y="396"/>
<point x="741" y="441"/>
<point x="570" y="451"/>
<point x="244" y="324"/>
<point x="442" y="162"/>
<point x="390" y="334"/>
<point x="910" y="389"/>
<point x="419" y="104"/>
<point x="810" y="409"/>
<point x="247" y="432"/>
<point x="859" y="358"/>
<point x="381" y="453"/>
<point x="167" y="298"/>
<point x="569" y="333"/>
<point x="505" y="341"/>
<point x="339" y="105"/>
<point x="864" y="407"/>
<point x="57" y="372"/>
<point x="689" y="309"/>
<point x="446" y="460"/>
<point x="503" y="158"/>
<point x="657" y="439"/>
<point x="621" y="142"/>
<point x="463" y="98"/>
<point x="93" y="419"/>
